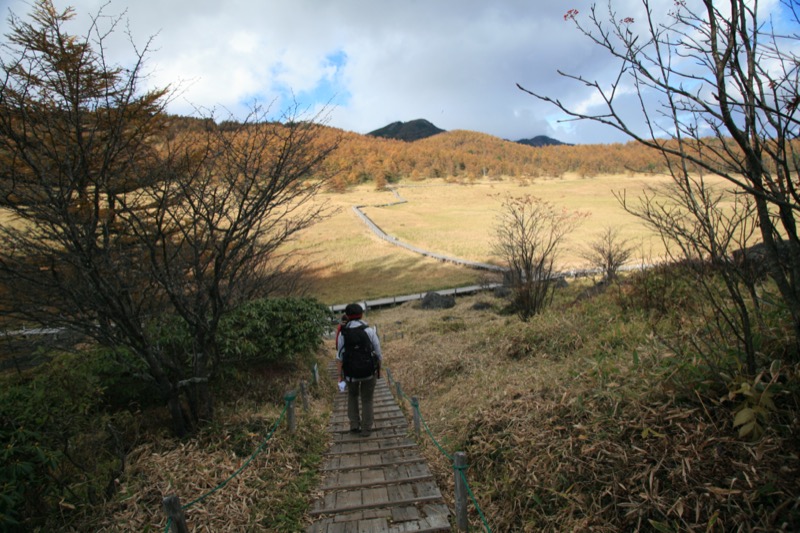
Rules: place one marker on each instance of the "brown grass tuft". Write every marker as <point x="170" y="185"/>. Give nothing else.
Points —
<point x="270" y="494"/>
<point x="578" y="421"/>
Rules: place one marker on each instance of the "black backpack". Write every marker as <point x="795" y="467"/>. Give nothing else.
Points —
<point x="358" y="360"/>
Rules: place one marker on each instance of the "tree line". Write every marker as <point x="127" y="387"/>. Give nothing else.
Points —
<point x="459" y="155"/>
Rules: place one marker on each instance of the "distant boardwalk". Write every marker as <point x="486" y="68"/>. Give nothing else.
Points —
<point x="427" y="253"/>
<point x="376" y="484"/>
<point x="383" y="302"/>
<point x="397" y="300"/>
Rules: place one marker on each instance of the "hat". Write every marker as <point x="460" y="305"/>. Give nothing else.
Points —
<point x="353" y="311"/>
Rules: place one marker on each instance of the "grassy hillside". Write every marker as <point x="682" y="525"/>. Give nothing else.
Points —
<point x="611" y="411"/>
<point x="470" y="155"/>
<point x="598" y="416"/>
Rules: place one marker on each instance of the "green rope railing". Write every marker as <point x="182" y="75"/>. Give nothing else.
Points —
<point x="288" y="399"/>
<point x="415" y="405"/>
<point x="472" y="497"/>
<point x="459" y="469"/>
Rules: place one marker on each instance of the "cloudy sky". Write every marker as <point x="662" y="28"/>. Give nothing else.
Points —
<point x="453" y="62"/>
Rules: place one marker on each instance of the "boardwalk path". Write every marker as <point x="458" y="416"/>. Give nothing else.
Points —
<point x="379" y="483"/>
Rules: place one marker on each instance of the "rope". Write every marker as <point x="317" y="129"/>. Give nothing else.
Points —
<point x="289" y="398"/>
<point x="428" y="431"/>
<point x="459" y="469"/>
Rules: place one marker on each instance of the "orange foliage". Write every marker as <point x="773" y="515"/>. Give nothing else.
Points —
<point x="467" y="155"/>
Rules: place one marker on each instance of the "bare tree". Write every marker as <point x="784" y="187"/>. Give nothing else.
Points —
<point x="726" y="84"/>
<point x="529" y="234"/>
<point x="701" y="228"/>
<point x="608" y="252"/>
<point x="120" y="223"/>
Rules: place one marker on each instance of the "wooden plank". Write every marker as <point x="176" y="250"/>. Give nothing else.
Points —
<point x="421" y="518"/>
<point x="425" y="489"/>
<point x="393" y="431"/>
<point x="379" y="412"/>
<point x="401" y="493"/>
<point x="348" y="499"/>
<point x="388" y="420"/>
<point x="398" y="461"/>
<point x="405" y="514"/>
<point x="360" y="449"/>
<point x="375" y="525"/>
<point x="376" y="484"/>
<point x="374" y="476"/>
<point x="355" y="507"/>
<point x="374" y="496"/>
<point x="339" y="485"/>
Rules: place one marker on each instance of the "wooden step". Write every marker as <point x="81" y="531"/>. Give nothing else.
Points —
<point x="378" y="483"/>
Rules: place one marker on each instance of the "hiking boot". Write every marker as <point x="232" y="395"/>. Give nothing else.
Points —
<point x="355" y="430"/>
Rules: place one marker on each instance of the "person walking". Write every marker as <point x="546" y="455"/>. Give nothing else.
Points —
<point x="358" y="356"/>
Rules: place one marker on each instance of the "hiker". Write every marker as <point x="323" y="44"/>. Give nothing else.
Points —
<point x="358" y="354"/>
<point x="339" y="326"/>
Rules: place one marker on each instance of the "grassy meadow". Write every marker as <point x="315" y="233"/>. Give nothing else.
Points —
<point x="349" y="263"/>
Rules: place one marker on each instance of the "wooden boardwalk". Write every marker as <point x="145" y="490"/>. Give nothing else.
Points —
<point x="379" y="483"/>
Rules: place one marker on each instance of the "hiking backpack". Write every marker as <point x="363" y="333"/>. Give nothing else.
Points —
<point x="358" y="360"/>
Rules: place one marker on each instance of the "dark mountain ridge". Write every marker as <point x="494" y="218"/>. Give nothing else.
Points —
<point x="542" y="140"/>
<point x="414" y="130"/>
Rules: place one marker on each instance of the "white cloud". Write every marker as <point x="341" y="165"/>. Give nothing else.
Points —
<point x="453" y="62"/>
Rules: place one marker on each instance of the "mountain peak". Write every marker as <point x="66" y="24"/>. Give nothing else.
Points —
<point x="542" y="140"/>
<point x="412" y="130"/>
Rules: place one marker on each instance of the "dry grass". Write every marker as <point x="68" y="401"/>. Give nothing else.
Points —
<point x="349" y="263"/>
<point x="459" y="219"/>
<point x="572" y="423"/>
<point x="270" y="494"/>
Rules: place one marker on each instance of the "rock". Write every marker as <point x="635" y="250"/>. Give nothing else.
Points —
<point x="501" y="292"/>
<point x="434" y="300"/>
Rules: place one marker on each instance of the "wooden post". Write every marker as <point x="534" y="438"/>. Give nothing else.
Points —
<point x="290" y="415"/>
<point x="304" y="396"/>
<point x="415" y="407"/>
<point x="175" y="516"/>
<point x="315" y="373"/>
<point x="399" y="390"/>
<point x="388" y="375"/>
<point x="459" y="466"/>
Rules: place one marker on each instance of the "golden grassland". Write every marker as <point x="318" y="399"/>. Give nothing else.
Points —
<point x="460" y="219"/>
<point x="348" y="262"/>
<point x="454" y="219"/>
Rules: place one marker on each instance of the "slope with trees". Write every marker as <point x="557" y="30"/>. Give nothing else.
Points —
<point x="468" y="155"/>
<point x="123" y="224"/>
